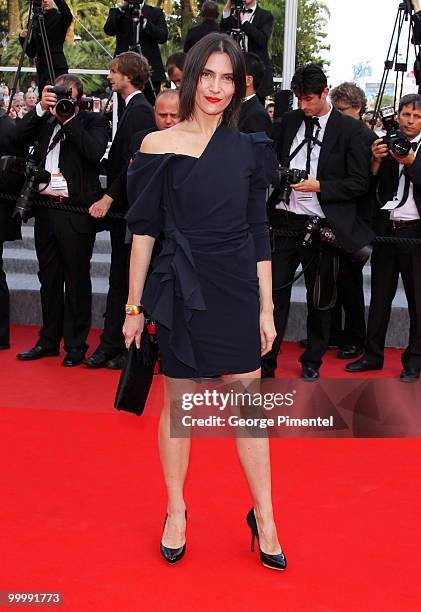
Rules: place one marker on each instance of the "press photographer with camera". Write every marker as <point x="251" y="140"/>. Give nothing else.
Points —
<point x="322" y="144"/>
<point x="255" y="29"/>
<point x="57" y="19"/>
<point x="129" y="72"/>
<point x="70" y="144"/>
<point x="396" y="165"/>
<point x="253" y="116"/>
<point x="9" y="227"/>
<point x="141" y="28"/>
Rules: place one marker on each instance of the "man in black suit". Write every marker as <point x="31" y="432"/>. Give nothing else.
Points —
<point x="149" y="22"/>
<point x="209" y="13"/>
<point x="70" y="149"/>
<point x="350" y="100"/>
<point x="128" y="74"/>
<point x="253" y="116"/>
<point x="329" y="146"/>
<point x="57" y="19"/>
<point x="9" y="228"/>
<point x="399" y="215"/>
<point x="257" y="26"/>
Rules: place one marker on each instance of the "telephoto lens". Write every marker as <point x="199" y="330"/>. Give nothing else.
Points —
<point x="65" y="106"/>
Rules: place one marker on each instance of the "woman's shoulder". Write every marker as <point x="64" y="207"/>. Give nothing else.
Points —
<point x="162" y="141"/>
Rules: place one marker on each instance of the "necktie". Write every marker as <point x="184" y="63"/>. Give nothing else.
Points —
<point x="414" y="145"/>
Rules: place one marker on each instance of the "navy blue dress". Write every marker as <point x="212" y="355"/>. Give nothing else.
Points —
<point x="203" y="291"/>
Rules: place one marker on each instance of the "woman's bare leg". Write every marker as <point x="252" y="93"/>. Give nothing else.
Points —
<point x="254" y="456"/>
<point x="174" y="455"/>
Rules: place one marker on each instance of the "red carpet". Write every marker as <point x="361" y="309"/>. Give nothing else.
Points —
<point x="83" y="506"/>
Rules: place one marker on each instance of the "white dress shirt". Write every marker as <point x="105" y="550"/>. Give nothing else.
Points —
<point x="302" y="203"/>
<point x="132" y="95"/>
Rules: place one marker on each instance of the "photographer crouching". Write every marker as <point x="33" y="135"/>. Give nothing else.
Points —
<point x="324" y="170"/>
<point x="396" y="165"/>
<point x="70" y="145"/>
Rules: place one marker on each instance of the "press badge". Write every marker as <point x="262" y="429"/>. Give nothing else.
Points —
<point x="391" y="204"/>
<point x="58" y="181"/>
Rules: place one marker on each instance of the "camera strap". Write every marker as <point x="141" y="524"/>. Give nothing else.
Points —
<point x="309" y="139"/>
<point x="54" y="142"/>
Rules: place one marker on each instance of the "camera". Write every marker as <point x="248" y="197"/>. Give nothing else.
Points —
<point x="34" y="176"/>
<point x="287" y="177"/>
<point x="238" y="5"/>
<point x="65" y="105"/>
<point x="37" y="6"/>
<point x="396" y="140"/>
<point x="315" y="228"/>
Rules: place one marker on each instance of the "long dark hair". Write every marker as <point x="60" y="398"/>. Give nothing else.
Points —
<point x="195" y="62"/>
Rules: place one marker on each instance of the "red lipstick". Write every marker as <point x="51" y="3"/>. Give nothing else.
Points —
<point x="213" y="100"/>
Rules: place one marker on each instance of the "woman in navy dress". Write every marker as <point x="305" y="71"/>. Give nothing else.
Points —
<point x="203" y="184"/>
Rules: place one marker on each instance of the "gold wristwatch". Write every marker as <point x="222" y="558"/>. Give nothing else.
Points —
<point x="133" y="310"/>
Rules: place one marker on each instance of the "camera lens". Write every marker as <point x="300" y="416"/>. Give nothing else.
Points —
<point x="400" y="146"/>
<point x="65" y="107"/>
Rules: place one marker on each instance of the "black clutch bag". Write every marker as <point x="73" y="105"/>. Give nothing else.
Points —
<point x="137" y="375"/>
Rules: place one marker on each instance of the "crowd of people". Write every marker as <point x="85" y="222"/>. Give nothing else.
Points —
<point x="342" y="192"/>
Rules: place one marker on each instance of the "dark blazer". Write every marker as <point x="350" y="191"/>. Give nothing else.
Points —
<point x="57" y="23"/>
<point x="84" y="144"/>
<point x="258" y="34"/>
<point x="343" y="172"/>
<point x="137" y="139"/>
<point x="155" y="33"/>
<point x="138" y="115"/>
<point x="254" y="118"/>
<point x="386" y="185"/>
<point x="195" y="34"/>
<point x="10" y="183"/>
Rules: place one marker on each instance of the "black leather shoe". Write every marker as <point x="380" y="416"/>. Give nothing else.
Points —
<point x="350" y="352"/>
<point x="310" y="374"/>
<point x="172" y="555"/>
<point x="409" y="375"/>
<point x="98" y="359"/>
<point x="362" y="365"/>
<point x="37" y="352"/>
<point x="118" y="362"/>
<point x="74" y="357"/>
<point x="276" y="562"/>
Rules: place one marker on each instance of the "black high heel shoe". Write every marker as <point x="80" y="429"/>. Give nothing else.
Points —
<point x="277" y="562"/>
<point x="172" y="555"/>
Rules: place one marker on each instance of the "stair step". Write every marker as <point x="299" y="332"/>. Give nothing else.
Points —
<point x="24" y="261"/>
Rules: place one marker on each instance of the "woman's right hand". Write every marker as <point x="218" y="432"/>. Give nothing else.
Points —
<point x="133" y="328"/>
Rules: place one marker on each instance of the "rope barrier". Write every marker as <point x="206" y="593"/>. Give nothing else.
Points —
<point x="279" y="232"/>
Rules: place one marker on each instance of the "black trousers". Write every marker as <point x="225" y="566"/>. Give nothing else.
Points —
<point x="64" y="257"/>
<point x="387" y="262"/>
<point x="4" y="305"/>
<point x="351" y="299"/>
<point x="112" y="340"/>
<point x="287" y="254"/>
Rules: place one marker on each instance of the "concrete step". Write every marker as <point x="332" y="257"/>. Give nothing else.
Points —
<point x="25" y="303"/>
<point x="24" y="261"/>
<point x="102" y="242"/>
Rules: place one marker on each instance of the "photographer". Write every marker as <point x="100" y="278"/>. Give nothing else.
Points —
<point x="349" y="99"/>
<point x="134" y="18"/>
<point x="9" y="228"/>
<point x="57" y="19"/>
<point x="70" y="148"/>
<point x="128" y="74"/>
<point x="320" y="142"/>
<point x="399" y="202"/>
<point x="256" y="24"/>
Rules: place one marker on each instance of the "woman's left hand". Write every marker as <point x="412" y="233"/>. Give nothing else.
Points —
<point x="267" y="332"/>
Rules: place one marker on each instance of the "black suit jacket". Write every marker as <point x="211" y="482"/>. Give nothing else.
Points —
<point x="258" y="34"/>
<point x="254" y="118"/>
<point x="155" y="33"/>
<point x="343" y="172"/>
<point x="9" y="183"/>
<point x="84" y="144"/>
<point x="57" y="23"/>
<point x="138" y="115"/>
<point x="198" y="32"/>
<point x="386" y="186"/>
